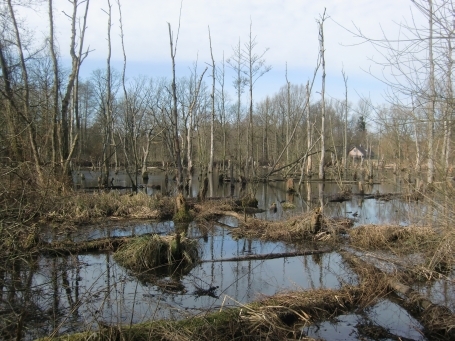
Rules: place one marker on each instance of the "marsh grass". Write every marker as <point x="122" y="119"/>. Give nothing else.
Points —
<point x="279" y="317"/>
<point x="84" y="208"/>
<point x="308" y="226"/>
<point x="406" y="239"/>
<point x="147" y="253"/>
<point x="287" y="205"/>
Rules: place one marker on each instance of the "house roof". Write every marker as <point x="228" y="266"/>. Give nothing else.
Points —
<point x="360" y="149"/>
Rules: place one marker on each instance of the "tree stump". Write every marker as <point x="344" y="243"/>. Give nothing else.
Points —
<point x="290" y="185"/>
<point x="316" y="221"/>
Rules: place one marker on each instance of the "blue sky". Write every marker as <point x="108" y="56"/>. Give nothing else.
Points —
<point x="287" y="28"/>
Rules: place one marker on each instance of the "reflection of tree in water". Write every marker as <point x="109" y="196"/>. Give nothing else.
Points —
<point x="317" y="259"/>
<point x="20" y="298"/>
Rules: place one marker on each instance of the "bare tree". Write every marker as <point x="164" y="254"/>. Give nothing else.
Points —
<point x="288" y="111"/>
<point x="346" y="108"/>
<point x="191" y="109"/>
<point x="237" y="64"/>
<point x="255" y="69"/>
<point x="174" y="115"/>
<point x="222" y="102"/>
<point x="415" y="60"/>
<point x="55" y="88"/>
<point x="322" y="52"/>
<point x="108" y="135"/>
<point x="72" y="84"/>
<point x="309" y="131"/>
<point x="212" y="121"/>
<point x="25" y="112"/>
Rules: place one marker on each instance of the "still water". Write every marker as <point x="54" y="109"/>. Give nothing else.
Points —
<point x="78" y="292"/>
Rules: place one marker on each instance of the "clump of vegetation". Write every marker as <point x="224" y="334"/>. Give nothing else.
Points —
<point x="83" y="208"/>
<point x="432" y="250"/>
<point x="152" y="252"/>
<point x="287" y="205"/>
<point x="298" y="228"/>
<point x="408" y="239"/>
<point x="212" y="209"/>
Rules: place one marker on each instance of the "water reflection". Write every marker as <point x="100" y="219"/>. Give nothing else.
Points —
<point x="83" y="291"/>
<point x="385" y="320"/>
<point x="80" y="292"/>
<point x="310" y="195"/>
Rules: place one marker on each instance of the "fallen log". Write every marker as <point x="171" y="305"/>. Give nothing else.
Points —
<point x="267" y="256"/>
<point x="438" y="321"/>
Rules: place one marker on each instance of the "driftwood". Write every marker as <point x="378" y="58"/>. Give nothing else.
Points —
<point x="267" y="256"/>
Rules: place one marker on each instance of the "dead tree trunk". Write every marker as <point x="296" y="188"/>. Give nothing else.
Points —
<point x="212" y="122"/>
<point x="345" y="144"/>
<point x="174" y="115"/>
<point x="322" y="53"/>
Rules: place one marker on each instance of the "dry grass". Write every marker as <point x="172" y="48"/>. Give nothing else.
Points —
<point x="84" y="208"/>
<point x="279" y="317"/>
<point x="152" y="252"/>
<point x="435" y="249"/>
<point x="308" y="226"/>
<point x="212" y="209"/>
<point x="287" y="205"/>
<point x="407" y="239"/>
<point x="292" y="230"/>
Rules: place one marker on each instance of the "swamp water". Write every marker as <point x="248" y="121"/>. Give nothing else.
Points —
<point x="81" y="292"/>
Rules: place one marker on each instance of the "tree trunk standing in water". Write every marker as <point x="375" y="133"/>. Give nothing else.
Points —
<point x="107" y="150"/>
<point x="76" y="60"/>
<point x="220" y="79"/>
<point x="256" y="69"/>
<point x="309" y="165"/>
<point x="189" y="135"/>
<point x="131" y="135"/>
<point x="212" y="122"/>
<point x="174" y="115"/>
<point x="237" y="65"/>
<point x="322" y="51"/>
<point x="288" y="111"/>
<point x="345" y="144"/>
<point x="76" y="139"/>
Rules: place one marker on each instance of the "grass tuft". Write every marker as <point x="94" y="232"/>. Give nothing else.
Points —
<point x="152" y="252"/>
